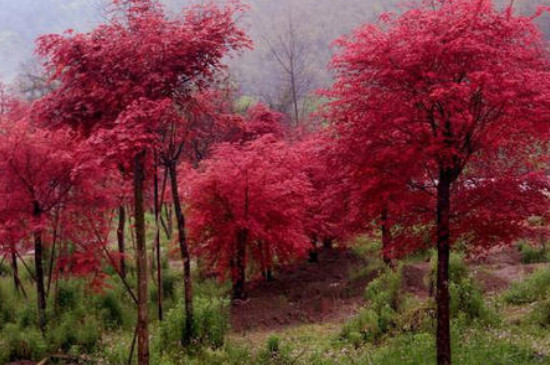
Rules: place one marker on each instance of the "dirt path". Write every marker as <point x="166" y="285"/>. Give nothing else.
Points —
<point x="303" y="293"/>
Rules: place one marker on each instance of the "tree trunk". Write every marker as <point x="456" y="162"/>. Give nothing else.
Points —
<point x="239" y="271"/>
<point x="184" y="250"/>
<point x="386" y="236"/>
<point x="121" y="238"/>
<point x="266" y="263"/>
<point x="157" y="245"/>
<point x="39" y="271"/>
<point x="141" y="253"/>
<point x="16" y="278"/>
<point x="327" y="243"/>
<point x="442" y="293"/>
<point x="167" y="221"/>
<point x="313" y="253"/>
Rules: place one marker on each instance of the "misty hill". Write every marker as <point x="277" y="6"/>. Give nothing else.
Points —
<point x="317" y="24"/>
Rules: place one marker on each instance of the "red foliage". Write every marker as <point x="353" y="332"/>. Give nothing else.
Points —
<point x="140" y="54"/>
<point x="260" y="120"/>
<point x="254" y="187"/>
<point x="48" y="181"/>
<point x="446" y="93"/>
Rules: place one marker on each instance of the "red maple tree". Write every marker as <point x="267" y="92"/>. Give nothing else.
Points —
<point x="127" y="70"/>
<point x="440" y="93"/>
<point x="248" y="200"/>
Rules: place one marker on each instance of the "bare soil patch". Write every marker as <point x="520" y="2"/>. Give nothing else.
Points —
<point x="323" y="293"/>
<point x="303" y="293"/>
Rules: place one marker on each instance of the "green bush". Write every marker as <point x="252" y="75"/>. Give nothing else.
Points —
<point x="210" y="323"/>
<point x="5" y="269"/>
<point x="18" y="343"/>
<point x="540" y="314"/>
<point x="110" y="309"/>
<point x="466" y="296"/>
<point x="534" y="287"/>
<point x="384" y="298"/>
<point x="531" y="254"/>
<point x="273" y="344"/>
<point x="364" y="327"/>
<point x="26" y="314"/>
<point x="69" y="295"/>
<point x="169" y="281"/>
<point x="72" y="330"/>
<point x="384" y="291"/>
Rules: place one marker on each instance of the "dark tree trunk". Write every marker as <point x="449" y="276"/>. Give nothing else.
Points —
<point x="39" y="271"/>
<point x="141" y="253"/>
<point x="167" y="221"/>
<point x="16" y="278"/>
<point x="313" y="253"/>
<point x="52" y="255"/>
<point x="157" y="246"/>
<point x="267" y="267"/>
<point x="442" y="291"/>
<point x="120" y="239"/>
<point x="239" y="271"/>
<point x="327" y="243"/>
<point x="184" y="250"/>
<point x="386" y="236"/>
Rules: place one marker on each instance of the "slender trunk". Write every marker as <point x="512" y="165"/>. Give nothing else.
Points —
<point x="239" y="271"/>
<point x="157" y="245"/>
<point x="52" y="255"/>
<point x="39" y="271"/>
<point x="184" y="250"/>
<point x="267" y="269"/>
<point x="313" y="253"/>
<point x="442" y="293"/>
<point x="294" y="98"/>
<point x="141" y="253"/>
<point x="386" y="236"/>
<point x="120" y="239"/>
<point x="16" y="278"/>
<point x="168" y="222"/>
<point x="327" y="243"/>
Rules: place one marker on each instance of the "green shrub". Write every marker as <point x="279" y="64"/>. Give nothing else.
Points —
<point x="71" y="330"/>
<point x="5" y="269"/>
<point x="384" y="298"/>
<point x="533" y="288"/>
<point x="531" y="254"/>
<point x="363" y="327"/>
<point x="417" y="317"/>
<point x="540" y="314"/>
<point x="69" y="295"/>
<point x="110" y="309"/>
<point x="26" y="314"/>
<point x="366" y="247"/>
<point x="210" y="323"/>
<point x="169" y="282"/>
<point x="273" y="344"/>
<point x="466" y="296"/>
<point x="384" y="291"/>
<point x="18" y="343"/>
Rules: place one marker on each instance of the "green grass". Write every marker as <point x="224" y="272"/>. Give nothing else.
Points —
<point x="390" y="328"/>
<point x="531" y="254"/>
<point x="534" y="287"/>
